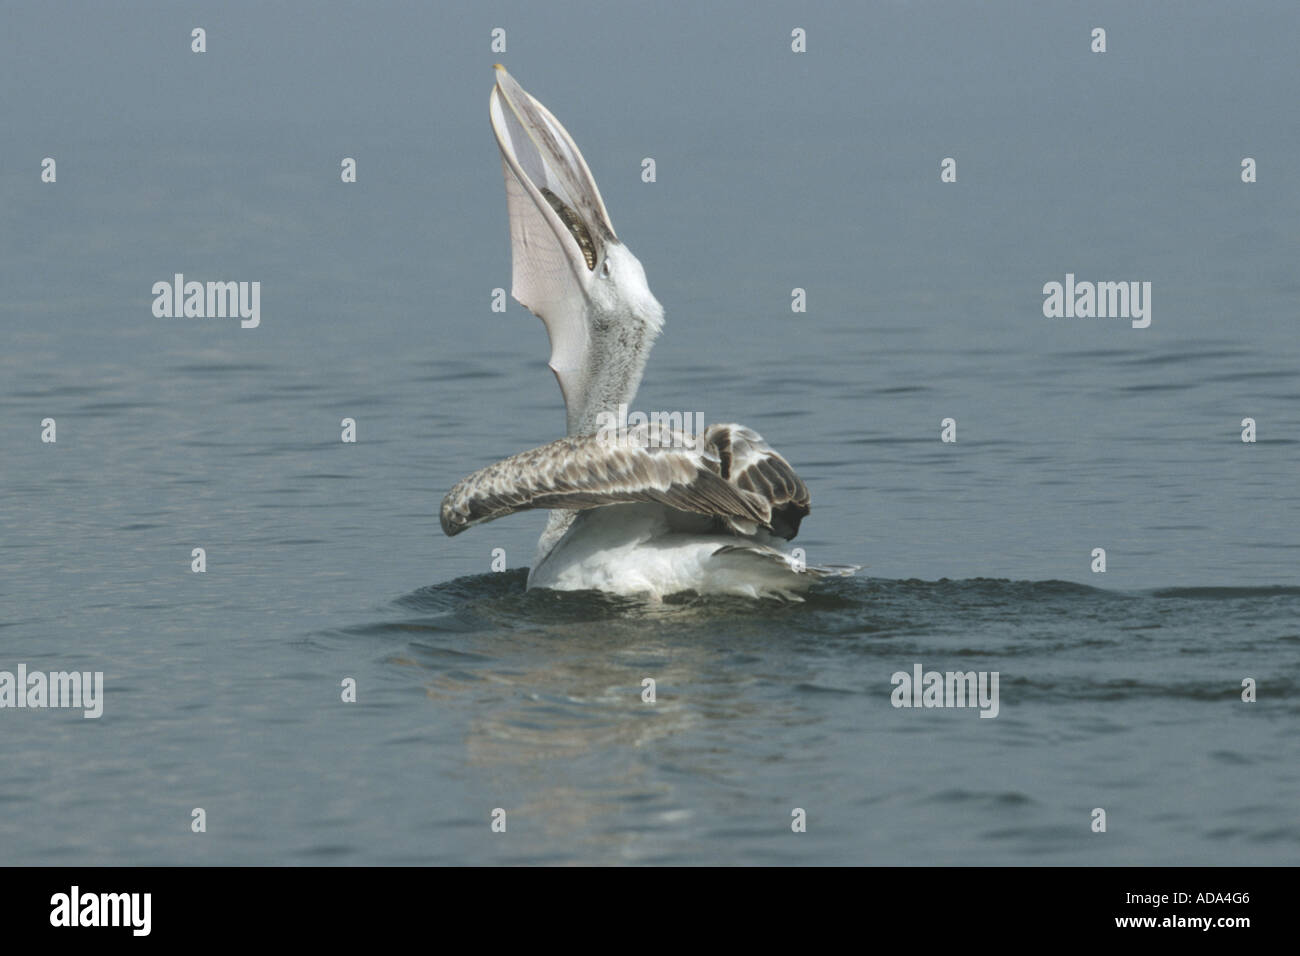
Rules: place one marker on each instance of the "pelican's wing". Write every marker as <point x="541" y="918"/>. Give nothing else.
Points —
<point x="699" y="475"/>
<point x="558" y="226"/>
<point x="746" y="461"/>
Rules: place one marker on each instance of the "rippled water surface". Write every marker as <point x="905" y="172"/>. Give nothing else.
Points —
<point x="325" y="561"/>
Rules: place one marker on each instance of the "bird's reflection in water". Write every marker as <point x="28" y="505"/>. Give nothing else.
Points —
<point x="551" y="689"/>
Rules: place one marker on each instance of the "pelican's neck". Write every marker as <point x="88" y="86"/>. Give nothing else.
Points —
<point x="616" y="355"/>
<point x="615" y="360"/>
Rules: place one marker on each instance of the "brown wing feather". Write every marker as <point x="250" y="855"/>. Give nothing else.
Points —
<point x="731" y="475"/>
<point x="748" y="463"/>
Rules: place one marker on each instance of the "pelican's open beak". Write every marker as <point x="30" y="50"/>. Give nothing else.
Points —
<point x="542" y="158"/>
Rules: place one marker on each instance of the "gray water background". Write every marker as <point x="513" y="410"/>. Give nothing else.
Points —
<point x="775" y="171"/>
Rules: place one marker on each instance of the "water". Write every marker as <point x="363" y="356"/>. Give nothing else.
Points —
<point x="325" y="561"/>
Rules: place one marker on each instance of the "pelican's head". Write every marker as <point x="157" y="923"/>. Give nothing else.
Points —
<point x="565" y="252"/>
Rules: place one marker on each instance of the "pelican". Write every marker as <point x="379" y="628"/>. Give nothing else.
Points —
<point x="647" y="510"/>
